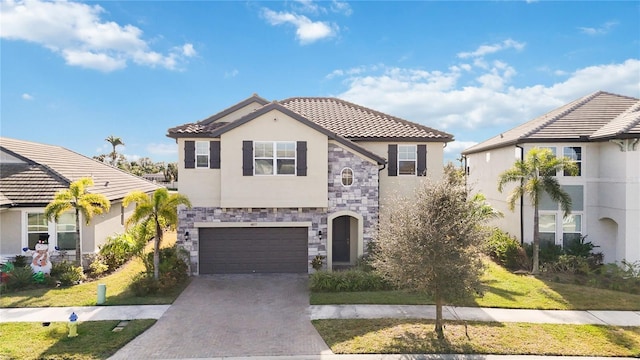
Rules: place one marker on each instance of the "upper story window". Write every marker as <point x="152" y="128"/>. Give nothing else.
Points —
<point x="407" y="158"/>
<point x="347" y="177"/>
<point x="574" y="153"/>
<point x="202" y="154"/>
<point x="275" y="157"/>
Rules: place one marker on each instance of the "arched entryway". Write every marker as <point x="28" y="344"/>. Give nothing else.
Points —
<point x="345" y="239"/>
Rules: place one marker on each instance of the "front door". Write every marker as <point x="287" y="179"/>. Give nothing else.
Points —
<point x="341" y="242"/>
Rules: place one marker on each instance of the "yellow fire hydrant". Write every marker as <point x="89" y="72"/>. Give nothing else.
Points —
<point x="73" y="325"/>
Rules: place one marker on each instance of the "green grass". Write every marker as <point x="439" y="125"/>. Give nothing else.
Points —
<point x="503" y="289"/>
<point x="86" y="294"/>
<point x="95" y="339"/>
<point x="388" y="336"/>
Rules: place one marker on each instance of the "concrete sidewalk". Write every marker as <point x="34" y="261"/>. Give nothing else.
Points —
<point x="315" y="312"/>
<point x="85" y="313"/>
<point x="599" y="317"/>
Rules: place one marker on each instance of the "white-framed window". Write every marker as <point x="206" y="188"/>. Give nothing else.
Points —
<point x="552" y="222"/>
<point x="274" y="157"/>
<point x="66" y="231"/>
<point x="554" y="152"/>
<point x="574" y="153"/>
<point x="407" y="159"/>
<point x="37" y="226"/>
<point x="202" y="154"/>
<point x="346" y="176"/>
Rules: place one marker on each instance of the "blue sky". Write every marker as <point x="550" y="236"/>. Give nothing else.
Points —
<point x="73" y="73"/>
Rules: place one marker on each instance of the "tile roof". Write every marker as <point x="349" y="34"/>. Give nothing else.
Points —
<point x="595" y="116"/>
<point x="357" y="122"/>
<point x="350" y="121"/>
<point x="47" y="168"/>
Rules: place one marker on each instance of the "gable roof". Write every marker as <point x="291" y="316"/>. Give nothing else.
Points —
<point x="45" y="169"/>
<point x="598" y="116"/>
<point x="342" y="118"/>
<point x="276" y="106"/>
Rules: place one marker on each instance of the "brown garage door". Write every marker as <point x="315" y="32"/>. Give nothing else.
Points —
<point x="253" y="250"/>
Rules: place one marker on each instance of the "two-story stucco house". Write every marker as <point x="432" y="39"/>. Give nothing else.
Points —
<point x="273" y="184"/>
<point x="601" y="132"/>
<point x="30" y="175"/>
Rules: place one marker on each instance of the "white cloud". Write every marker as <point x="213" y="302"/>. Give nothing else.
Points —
<point x="493" y="48"/>
<point x="27" y="96"/>
<point x="78" y="33"/>
<point x="603" y="29"/>
<point x="341" y="7"/>
<point x="456" y="146"/>
<point x="307" y="31"/>
<point x="231" y="74"/>
<point x="162" y="149"/>
<point x="445" y="100"/>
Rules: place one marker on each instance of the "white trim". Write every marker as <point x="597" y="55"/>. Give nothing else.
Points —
<point x="360" y="244"/>
<point x="196" y="154"/>
<point x="415" y="160"/>
<point x="275" y="158"/>
<point x="353" y="177"/>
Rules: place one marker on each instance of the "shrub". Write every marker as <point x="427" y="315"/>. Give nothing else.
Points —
<point x="20" y="261"/>
<point x="570" y="263"/>
<point x="506" y="251"/>
<point x="20" y="277"/>
<point x="98" y="267"/>
<point x="117" y="250"/>
<point x="144" y="284"/>
<point x="549" y="253"/>
<point x="579" y="247"/>
<point x="172" y="271"/>
<point x="348" y="280"/>
<point x="67" y="273"/>
<point x="317" y="262"/>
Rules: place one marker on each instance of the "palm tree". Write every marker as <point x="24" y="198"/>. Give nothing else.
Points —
<point x="114" y="141"/>
<point x="77" y="198"/>
<point x="534" y="176"/>
<point x="159" y="208"/>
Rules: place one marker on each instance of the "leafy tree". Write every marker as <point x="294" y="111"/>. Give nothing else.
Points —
<point x="159" y="209"/>
<point x="432" y="243"/>
<point x="114" y="141"/>
<point x="534" y="176"/>
<point x="171" y="172"/>
<point x="77" y="198"/>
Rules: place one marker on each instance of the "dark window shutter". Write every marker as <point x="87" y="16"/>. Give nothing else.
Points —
<point x="422" y="160"/>
<point x="392" y="160"/>
<point x="214" y="154"/>
<point x="301" y="158"/>
<point x="189" y="154"/>
<point x="247" y="158"/>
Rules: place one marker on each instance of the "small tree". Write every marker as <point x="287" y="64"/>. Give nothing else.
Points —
<point x="534" y="176"/>
<point x="159" y="209"/>
<point x="114" y="141"/>
<point x="77" y="198"/>
<point x="431" y="243"/>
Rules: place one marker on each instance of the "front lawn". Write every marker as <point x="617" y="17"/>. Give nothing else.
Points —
<point x="503" y="289"/>
<point x="85" y="294"/>
<point x="395" y="336"/>
<point x="95" y="339"/>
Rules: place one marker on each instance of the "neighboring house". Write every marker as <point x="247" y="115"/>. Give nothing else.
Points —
<point x="274" y="184"/>
<point x="601" y="133"/>
<point x="30" y="175"/>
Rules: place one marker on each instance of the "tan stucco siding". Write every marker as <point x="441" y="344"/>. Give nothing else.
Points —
<point x="404" y="185"/>
<point x="201" y="186"/>
<point x="246" y="110"/>
<point x="105" y="225"/>
<point x="10" y="232"/>
<point x="272" y="191"/>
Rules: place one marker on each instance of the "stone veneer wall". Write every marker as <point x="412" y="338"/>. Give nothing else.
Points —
<point x="361" y="198"/>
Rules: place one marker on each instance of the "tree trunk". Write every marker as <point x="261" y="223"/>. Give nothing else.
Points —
<point x="536" y="241"/>
<point x="156" y="251"/>
<point x="439" y="327"/>
<point x="78" y="240"/>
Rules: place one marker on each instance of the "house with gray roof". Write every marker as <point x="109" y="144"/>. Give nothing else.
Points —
<point x="601" y="133"/>
<point x="30" y="175"/>
<point x="275" y="184"/>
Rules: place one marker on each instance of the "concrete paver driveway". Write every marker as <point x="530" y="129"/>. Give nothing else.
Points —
<point x="233" y="315"/>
